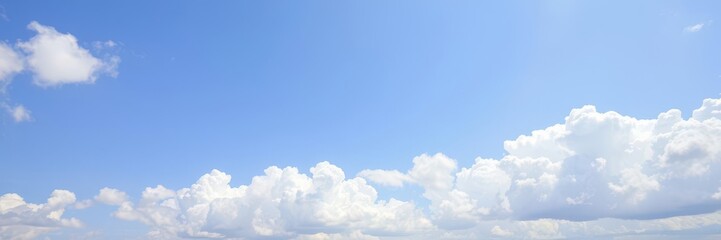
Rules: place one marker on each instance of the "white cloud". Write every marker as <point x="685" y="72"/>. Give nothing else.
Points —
<point x="432" y="172"/>
<point x="694" y="28"/>
<point x="595" y="165"/>
<point x="391" y="178"/>
<point x="103" y="45"/>
<point x="605" y="228"/>
<point x="11" y="63"/>
<point x="19" y="113"/>
<point x="498" y="231"/>
<point x="597" y="174"/>
<point x="282" y="203"/>
<point x="355" y="235"/>
<point x="542" y="229"/>
<point x="111" y="196"/>
<point x="56" y="58"/>
<point x="83" y="204"/>
<point x="711" y="108"/>
<point x="717" y="195"/>
<point x="22" y="220"/>
<point x="634" y="183"/>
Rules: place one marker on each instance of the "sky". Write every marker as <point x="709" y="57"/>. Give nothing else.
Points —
<point x="360" y="119"/>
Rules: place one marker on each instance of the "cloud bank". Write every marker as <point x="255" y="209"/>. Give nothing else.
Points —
<point x="597" y="174"/>
<point x="595" y="165"/>
<point x="282" y="203"/>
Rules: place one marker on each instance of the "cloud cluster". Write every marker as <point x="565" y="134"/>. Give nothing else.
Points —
<point x="595" y="165"/>
<point x="22" y="220"/>
<point x="596" y="174"/>
<point x="282" y="203"/>
<point x="54" y="59"/>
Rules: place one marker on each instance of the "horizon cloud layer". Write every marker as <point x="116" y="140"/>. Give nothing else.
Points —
<point x="596" y="174"/>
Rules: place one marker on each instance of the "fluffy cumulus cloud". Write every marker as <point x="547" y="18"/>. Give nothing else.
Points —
<point x="595" y="165"/>
<point x="597" y="174"/>
<point x="283" y="203"/>
<point x="54" y="58"/>
<point x="22" y="220"/>
<point x="111" y="196"/>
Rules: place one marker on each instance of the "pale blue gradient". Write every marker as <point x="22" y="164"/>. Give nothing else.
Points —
<point x="243" y="85"/>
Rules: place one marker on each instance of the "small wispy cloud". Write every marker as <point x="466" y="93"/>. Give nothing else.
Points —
<point x="3" y="15"/>
<point x="696" y="27"/>
<point x="20" y="113"/>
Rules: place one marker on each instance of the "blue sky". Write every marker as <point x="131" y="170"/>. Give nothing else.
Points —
<point x="167" y="91"/>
